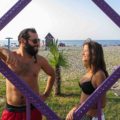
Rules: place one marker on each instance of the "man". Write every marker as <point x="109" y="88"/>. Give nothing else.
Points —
<point x="26" y="64"/>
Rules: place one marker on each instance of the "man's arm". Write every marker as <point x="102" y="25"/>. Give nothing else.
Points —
<point x="8" y="57"/>
<point x="51" y="76"/>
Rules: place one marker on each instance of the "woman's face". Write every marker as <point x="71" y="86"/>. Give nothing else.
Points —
<point x="85" y="55"/>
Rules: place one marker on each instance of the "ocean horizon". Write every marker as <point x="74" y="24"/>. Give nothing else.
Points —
<point x="80" y="42"/>
<point x="71" y="42"/>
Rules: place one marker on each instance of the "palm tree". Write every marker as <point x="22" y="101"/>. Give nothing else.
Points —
<point x="57" y="60"/>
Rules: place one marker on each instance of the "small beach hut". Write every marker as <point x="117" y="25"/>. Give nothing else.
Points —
<point x="48" y="40"/>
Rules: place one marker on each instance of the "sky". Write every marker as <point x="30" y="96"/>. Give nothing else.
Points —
<point x="64" y="19"/>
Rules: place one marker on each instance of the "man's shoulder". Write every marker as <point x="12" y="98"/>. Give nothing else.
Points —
<point x="42" y="61"/>
<point x="41" y="58"/>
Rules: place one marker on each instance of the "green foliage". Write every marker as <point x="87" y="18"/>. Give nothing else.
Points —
<point x="56" y="57"/>
<point x="70" y="97"/>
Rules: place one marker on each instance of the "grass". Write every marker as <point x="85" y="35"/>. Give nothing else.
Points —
<point x="70" y="89"/>
<point x="70" y="97"/>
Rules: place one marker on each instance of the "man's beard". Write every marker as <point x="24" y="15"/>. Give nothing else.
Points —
<point x="31" y="50"/>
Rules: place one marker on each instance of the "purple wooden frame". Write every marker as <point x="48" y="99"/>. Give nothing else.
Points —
<point x="113" y="15"/>
<point x="24" y="88"/>
<point x="12" y="12"/>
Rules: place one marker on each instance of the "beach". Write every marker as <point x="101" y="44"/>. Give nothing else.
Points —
<point x="70" y="77"/>
<point x="73" y="55"/>
<point x="76" y="69"/>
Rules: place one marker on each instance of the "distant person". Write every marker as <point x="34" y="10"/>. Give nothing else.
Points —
<point x="27" y="64"/>
<point x="96" y="73"/>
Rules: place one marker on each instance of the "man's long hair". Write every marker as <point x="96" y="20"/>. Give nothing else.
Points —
<point x="25" y="33"/>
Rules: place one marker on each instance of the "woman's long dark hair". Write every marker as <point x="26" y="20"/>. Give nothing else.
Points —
<point x="96" y="56"/>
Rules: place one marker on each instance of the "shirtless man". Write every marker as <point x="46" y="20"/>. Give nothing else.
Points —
<point x="26" y="64"/>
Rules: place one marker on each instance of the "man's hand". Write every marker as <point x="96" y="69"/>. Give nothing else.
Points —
<point x="2" y="56"/>
<point x="44" y="96"/>
<point x="10" y="58"/>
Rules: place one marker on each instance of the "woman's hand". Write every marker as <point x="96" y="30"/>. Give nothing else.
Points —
<point x="70" y="114"/>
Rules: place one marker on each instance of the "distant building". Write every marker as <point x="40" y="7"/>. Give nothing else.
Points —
<point x="61" y="44"/>
<point x="48" y="40"/>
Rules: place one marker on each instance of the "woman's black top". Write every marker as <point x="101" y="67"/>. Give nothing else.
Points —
<point x="87" y="87"/>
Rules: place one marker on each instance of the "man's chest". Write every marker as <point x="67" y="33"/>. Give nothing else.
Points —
<point x="27" y="68"/>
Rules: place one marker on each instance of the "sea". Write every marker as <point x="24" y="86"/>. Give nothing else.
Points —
<point x="71" y="42"/>
<point x="80" y="42"/>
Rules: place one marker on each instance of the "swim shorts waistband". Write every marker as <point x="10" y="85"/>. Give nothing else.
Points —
<point x="12" y="108"/>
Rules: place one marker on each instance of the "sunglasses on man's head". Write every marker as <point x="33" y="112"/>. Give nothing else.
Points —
<point x="35" y="41"/>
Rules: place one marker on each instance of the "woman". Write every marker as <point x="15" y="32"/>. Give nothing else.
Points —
<point x="96" y="73"/>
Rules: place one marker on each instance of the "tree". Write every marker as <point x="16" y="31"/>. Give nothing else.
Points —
<point x="57" y="59"/>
